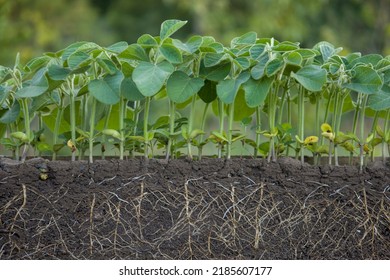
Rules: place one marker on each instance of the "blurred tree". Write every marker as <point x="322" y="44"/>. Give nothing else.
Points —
<point x="33" y="27"/>
<point x="130" y="19"/>
<point x="359" y="25"/>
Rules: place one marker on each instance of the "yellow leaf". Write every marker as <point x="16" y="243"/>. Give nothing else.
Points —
<point x="325" y="127"/>
<point x="71" y="145"/>
<point x="310" y="140"/>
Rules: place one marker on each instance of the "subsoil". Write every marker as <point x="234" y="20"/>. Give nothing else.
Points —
<point x="177" y="209"/>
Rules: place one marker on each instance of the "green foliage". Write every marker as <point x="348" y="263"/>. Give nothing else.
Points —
<point x="92" y="96"/>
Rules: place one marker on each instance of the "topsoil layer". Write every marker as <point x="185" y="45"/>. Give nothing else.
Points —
<point x="212" y="209"/>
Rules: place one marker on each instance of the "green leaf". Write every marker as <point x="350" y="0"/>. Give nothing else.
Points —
<point x="169" y="27"/>
<point x="380" y="100"/>
<point x="107" y="65"/>
<point x="78" y="59"/>
<point x="147" y="40"/>
<point x="107" y="90"/>
<point x="194" y="43"/>
<point x="191" y="46"/>
<point x="242" y="62"/>
<point x="130" y="91"/>
<point x="372" y="59"/>
<point x="227" y="89"/>
<point x="208" y="93"/>
<point x="246" y="39"/>
<point x="58" y="73"/>
<point x="150" y="78"/>
<point x="117" y="47"/>
<point x="12" y="114"/>
<point x="212" y="59"/>
<point x="326" y="50"/>
<point x="365" y="80"/>
<point x="258" y="70"/>
<point x="215" y="73"/>
<point x="50" y="121"/>
<point x="311" y="77"/>
<point x="195" y="133"/>
<point x="256" y="51"/>
<point x="112" y="132"/>
<point x="71" y="49"/>
<point x="38" y="86"/>
<point x="273" y="66"/>
<point x="36" y="63"/>
<point x="20" y="136"/>
<point x="285" y="46"/>
<point x="306" y="53"/>
<point x="241" y="109"/>
<point x="134" y="52"/>
<point x="181" y="87"/>
<point x="219" y="136"/>
<point x="256" y="91"/>
<point x="294" y="58"/>
<point x="171" y="53"/>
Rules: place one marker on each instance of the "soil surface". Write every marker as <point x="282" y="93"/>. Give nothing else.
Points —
<point x="177" y="209"/>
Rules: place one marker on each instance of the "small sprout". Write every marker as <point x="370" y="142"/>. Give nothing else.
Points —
<point x="310" y="140"/>
<point x="112" y="133"/>
<point x="348" y="146"/>
<point x="43" y="176"/>
<point x="327" y="131"/>
<point x="20" y="136"/>
<point x="71" y="145"/>
<point x="379" y="131"/>
<point x="366" y="148"/>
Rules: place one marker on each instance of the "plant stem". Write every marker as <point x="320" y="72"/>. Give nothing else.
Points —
<point x="122" y="106"/>
<point x="203" y="124"/>
<point x="60" y="112"/>
<point x="221" y="122"/>
<point x="334" y="124"/>
<point x="172" y="110"/>
<point x="373" y="131"/>
<point x="135" y="120"/>
<point x="327" y="112"/>
<point x="258" y="127"/>
<point x="301" y="119"/>
<point x="354" y="125"/>
<point x="72" y="117"/>
<point x="26" y="127"/>
<point x="104" y="138"/>
<point x="289" y="117"/>
<point x="92" y="128"/>
<point x="362" y="142"/>
<point x="230" y="131"/>
<point x="190" y="126"/>
<point x="385" y="130"/>
<point x="146" y="134"/>
<point x="272" y="102"/>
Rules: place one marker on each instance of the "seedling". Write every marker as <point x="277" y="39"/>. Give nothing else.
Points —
<point x="88" y="96"/>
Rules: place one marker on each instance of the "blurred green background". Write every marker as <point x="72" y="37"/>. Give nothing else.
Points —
<point x="32" y="27"/>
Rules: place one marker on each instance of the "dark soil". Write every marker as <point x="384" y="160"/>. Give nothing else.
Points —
<point x="213" y="209"/>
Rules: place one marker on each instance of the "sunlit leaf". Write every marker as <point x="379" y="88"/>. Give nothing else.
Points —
<point x="227" y="89"/>
<point x="181" y="87"/>
<point x="150" y="78"/>
<point x="107" y="90"/>
<point x="171" y="53"/>
<point x="256" y="91"/>
<point x="380" y="100"/>
<point x="365" y="80"/>
<point x="169" y="27"/>
<point x="311" y="77"/>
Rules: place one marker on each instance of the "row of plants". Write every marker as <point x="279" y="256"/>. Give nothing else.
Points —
<point x="87" y="97"/>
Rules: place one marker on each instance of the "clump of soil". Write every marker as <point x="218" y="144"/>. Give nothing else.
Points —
<point x="177" y="209"/>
